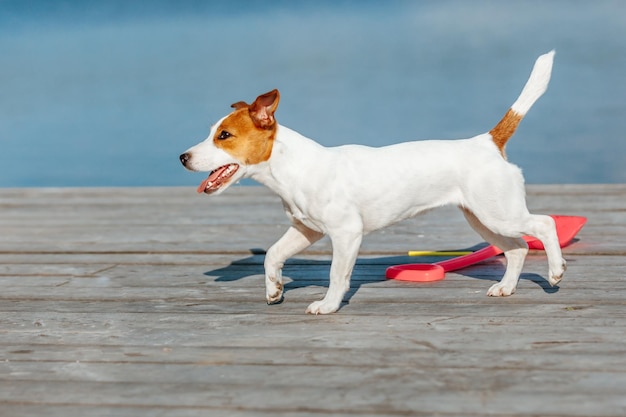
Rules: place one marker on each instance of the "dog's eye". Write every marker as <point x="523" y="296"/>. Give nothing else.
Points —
<point x="224" y="135"/>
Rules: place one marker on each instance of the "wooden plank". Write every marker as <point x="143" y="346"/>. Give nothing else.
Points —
<point x="161" y="220"/>
<point x="448" y="331"/>
<point x="422" y="392"/>
<point x="148" y="410"/>
<point x="540" y="355"/>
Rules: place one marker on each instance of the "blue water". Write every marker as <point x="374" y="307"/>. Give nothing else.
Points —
<point x="109" y="93"/>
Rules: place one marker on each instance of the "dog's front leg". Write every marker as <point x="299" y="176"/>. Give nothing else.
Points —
<point x="297" y="238"/>
<point x="345" y="251"/>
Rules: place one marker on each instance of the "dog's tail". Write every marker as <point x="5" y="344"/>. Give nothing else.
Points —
<point x="535" y="87"/>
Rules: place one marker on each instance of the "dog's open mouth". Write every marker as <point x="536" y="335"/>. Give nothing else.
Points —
<point x="217" y="178"/>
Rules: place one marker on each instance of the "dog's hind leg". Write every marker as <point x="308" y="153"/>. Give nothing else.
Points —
<point x="515" y="250"/>
<point x="297" y="238"/>
<point x="544" y="228"/>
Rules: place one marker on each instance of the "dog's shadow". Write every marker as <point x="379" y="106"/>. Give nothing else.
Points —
<point x="302" y="273"/>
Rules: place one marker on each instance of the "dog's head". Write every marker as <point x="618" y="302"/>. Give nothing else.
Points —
<point x="243" y="138"/>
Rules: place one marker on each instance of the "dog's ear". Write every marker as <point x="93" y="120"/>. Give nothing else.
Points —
<point x="263" y="108"/>
<point x="239" y="105"/>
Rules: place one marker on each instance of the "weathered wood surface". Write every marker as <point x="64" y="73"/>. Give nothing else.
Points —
<point x="149" y="302"/>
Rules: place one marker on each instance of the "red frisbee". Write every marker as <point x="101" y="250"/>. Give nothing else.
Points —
<point x="566" y="227"/>
<point x="416" y="272"/>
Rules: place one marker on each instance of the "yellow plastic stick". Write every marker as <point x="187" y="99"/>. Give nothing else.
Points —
<point x="438" y="253"/>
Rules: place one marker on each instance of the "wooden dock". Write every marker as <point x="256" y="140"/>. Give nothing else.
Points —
<point x="150" y="302"/>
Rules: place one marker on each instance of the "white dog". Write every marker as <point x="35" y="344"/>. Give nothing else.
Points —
<point x="348" y="191"/>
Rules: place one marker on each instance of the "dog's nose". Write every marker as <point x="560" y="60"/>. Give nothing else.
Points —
<point x="184" y="158"/>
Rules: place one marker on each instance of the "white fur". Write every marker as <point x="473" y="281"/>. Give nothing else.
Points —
<point x="348" y="191"/>
<point x="536" y="85"/>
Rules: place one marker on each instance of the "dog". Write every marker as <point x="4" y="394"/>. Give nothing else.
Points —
<point x="347" y="191"/>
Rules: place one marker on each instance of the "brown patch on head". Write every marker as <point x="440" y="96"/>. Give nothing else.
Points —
<point x="239" y="105"/>
<point x="505" y="128"/>
<point x="248" y="133"/>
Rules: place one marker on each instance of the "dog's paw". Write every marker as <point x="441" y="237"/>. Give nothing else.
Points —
<point x="500" y="290"/>
<point x="275" y="300"/>
<point x="555" y="276"/>
<point x="274" y="293"/>
<point x="322" y="307"/>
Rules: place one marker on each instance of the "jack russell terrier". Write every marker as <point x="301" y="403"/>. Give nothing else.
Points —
<point x="348" y="191"/>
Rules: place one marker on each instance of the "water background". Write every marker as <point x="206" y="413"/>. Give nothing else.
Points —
<point x="109" y="93"/>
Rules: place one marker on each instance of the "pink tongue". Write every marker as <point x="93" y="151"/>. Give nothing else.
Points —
<point x="214" y="175"/>
<point x="203" y="185"/>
